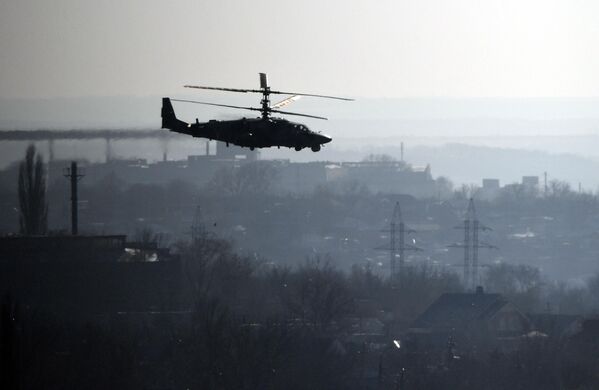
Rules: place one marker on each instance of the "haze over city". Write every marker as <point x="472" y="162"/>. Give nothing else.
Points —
<point x="418" y="69"/>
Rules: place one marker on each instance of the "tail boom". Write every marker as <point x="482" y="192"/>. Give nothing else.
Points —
<point x="169" y="119"/>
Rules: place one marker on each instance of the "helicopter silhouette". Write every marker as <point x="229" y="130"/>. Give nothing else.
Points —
<point x="262" y="132"/>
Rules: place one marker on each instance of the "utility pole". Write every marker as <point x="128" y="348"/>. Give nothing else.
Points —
<point x="198" y="229"/>
<point x="108" y="150"/>
<point x="402" y="159"/>
<point x="471" y="244"/>
<point x="397" y="244"/>
<point x="50" y="150"/>
<point x="74" y="176"/>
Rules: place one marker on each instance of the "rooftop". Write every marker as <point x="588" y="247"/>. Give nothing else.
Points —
<point x="456" y="310"/>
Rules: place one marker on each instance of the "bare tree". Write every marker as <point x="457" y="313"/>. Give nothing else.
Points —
<point x="253" y="179"/>
<point x="466" y="191"/>
<point x="379" y="158"/>
<point x="444" y="187"/>
<point x="33" y="218"/>
<point x="520" y="283"/>
<point x="559" y="189"/>
<point x="320" y="293"/>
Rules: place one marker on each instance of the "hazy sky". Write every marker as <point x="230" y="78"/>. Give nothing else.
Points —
<point x="511" y="48"/>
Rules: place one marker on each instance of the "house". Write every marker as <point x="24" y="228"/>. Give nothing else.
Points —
<point x="580" y="357"/>
<point x="84" y="276"/>
<point x="556" y="325"/>
<point x="467" y="323"/>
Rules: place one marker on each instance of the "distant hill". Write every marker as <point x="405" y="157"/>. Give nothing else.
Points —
<point x="470" y="163"/>
<point x="364" y="117"/>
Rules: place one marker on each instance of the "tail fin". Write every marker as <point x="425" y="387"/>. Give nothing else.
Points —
<point x="169" y="119"/>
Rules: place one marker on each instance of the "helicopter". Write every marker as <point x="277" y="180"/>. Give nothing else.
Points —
<point x="262" y="132"/>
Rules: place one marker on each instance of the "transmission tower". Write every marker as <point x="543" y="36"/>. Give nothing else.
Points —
<point x="397" y="244"/>
<point x="471" y="244"/>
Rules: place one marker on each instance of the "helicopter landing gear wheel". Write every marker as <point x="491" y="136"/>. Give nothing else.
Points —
<point x="315" y="148"/>
<point x="298" y="148"/>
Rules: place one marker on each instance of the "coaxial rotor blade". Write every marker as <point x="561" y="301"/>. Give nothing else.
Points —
<point x="263" y="90"/>
<point x="296" y="114"/>
<point x="312" y="95"/>
<point x="217" y="105"/>
<point x="224" y="89"/>
<point x="285" y="102"/>
<point x="249" y="108"/>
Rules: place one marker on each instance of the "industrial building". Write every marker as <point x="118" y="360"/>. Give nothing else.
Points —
<point x="393" y="177"/>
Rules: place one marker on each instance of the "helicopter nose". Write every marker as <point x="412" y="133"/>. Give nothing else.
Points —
<point x="324" y="139"/>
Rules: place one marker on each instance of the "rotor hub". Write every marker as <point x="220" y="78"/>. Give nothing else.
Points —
<point x="265" y="102"/>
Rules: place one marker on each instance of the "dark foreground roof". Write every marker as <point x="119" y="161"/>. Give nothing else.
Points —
<point x="458" y="309"/>
<point x="61" y="248"/>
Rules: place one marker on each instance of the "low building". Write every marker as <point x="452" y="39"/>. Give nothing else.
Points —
<point x="83" y="276"/>
<point x="530" y="181"/>
<point x="580" y="360"/>
<point x="556" y="325"/>
<point x="392" y="177"/>
<point x="299" y="178"/>
<point x="491" y="184"/>
<point x="490" y="189"/>
<point x="55" y="249"/>
<point x="469" y="323"/>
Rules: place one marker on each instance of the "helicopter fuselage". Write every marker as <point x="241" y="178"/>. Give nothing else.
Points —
<point x="247" y="132"/>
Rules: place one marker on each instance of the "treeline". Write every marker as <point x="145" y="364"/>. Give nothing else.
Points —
<point x="534" y="293"/>
<point x="251" y="325"/>
<point x="256" y="325"/>
<point x="315" y="292"/>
